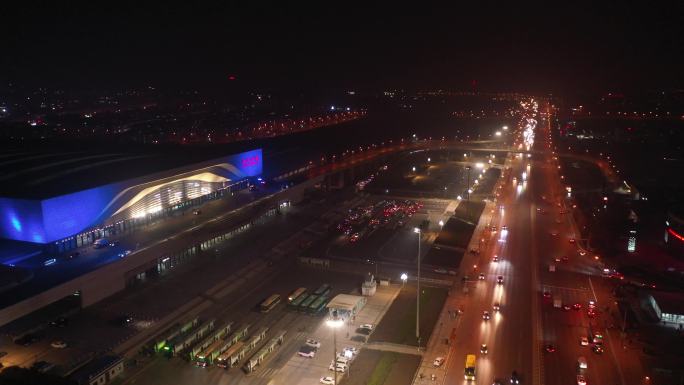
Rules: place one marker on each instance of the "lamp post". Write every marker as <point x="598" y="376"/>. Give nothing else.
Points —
<point x="417" y="231"/>
<point x="468" y="183"/>
<point x="334" y="322"/>
<point x="403" y="277"/>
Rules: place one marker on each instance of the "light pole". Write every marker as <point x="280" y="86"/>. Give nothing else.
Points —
<point x="468" y="183"/>
<point x="417" y="231"/>
<point x="403" y="277"/>
<point x="334" y="322"/>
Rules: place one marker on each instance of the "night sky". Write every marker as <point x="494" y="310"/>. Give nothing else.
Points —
<point x="570" y="49"/>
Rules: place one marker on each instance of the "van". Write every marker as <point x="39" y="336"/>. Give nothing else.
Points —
<point x="582" y="362"/>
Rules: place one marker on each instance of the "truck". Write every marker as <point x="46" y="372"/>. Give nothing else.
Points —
<point x="470" y="367"/>
<point x="557" y="303"/>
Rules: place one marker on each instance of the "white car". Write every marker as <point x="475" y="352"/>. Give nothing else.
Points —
<point x="581" y="380"/>
<point x="58" y="344"/>
<point x="354" y="351"/>
<point x="309" y="354"/>
<point x="327" y="380"/>
<point x="584" y="341"/>
<point x="366" y="326"/>
<point x="313" y="343"/>
<point x="338" y="367"/>
<point x="438" y="362"/>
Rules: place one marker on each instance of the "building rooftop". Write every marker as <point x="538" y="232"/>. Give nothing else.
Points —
<point x="344" y="302"/>
<point x="670" y="303"/>
<point x="44" y="173"/>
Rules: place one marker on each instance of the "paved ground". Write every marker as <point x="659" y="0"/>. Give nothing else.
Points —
<point x="396" y="368"/>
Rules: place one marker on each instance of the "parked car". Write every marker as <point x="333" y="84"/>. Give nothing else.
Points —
<point x="327" y="380"/>
<point x="58" y="344"/>
<point x="313" y="343"/>
<point x="438" y="362"/>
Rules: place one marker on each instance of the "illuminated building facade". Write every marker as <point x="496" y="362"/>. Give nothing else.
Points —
<point x="78" y="218"/>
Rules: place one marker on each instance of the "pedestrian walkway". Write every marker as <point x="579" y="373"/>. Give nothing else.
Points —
<point x="397" y="348"/>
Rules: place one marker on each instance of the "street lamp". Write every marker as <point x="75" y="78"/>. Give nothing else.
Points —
<point x="403" y="277"/>
<point x="417" y="231"/>
<point x="441" y="223"/>
<point x="413" y="168"/>
<point x="334" y="322"/>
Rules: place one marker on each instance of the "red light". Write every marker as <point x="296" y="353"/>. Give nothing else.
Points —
<point x="681" y="238"/>
<point x="231" y="77"/>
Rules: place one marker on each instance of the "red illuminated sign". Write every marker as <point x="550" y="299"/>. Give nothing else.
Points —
<point x="251" y="161"/>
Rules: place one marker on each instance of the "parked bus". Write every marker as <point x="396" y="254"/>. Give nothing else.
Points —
<point x="183" y="341"/>
<point x="294" y="305"/>
<point x="259" y="357"/>
<point x="230" y="357"/>
<point x="173" y="332"/>
<point x="304" y="306"/>
<point x="323" y="290"/>
<point x="318" y="305"/>
<point x="270" y="303"/>
<point x="207" y="357"/>
<point x="210" y="339"/>
<point x="470" y="367"/>
<point x="296" y="294"/>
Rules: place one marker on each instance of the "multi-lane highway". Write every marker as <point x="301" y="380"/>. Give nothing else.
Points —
<point x="538" y="234"/>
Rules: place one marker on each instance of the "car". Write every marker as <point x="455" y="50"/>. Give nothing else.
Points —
<point x="499" y="279"/>
<point x="566" y="307"/>
<point x="495" y="259"/>
<point x="497" y="382"/>
<point x="486" y="316"/>
<point x="338" y="367"/>
<point x="557" y="259"/>
<point x="441" y="270"/>
<point x="438" y="362"/>
<point x="358" y="338"/>
<point x="196" y="212"/>
<point x="582" y="253"/>
<point x="581" y="380"/>
<point x="367" y="326"/>
<point x="364" y="331"/>
<point x="584" y="341"/>
<point x="125" y="320"/>
<point x="591" y="313"/>
<point x="59" y="322"/>
<point x="504" y="228"/>
<point x="327" y="380"/>
<point x="554" y="233"/>
<point x="598" y="349"/>
<point x="571" y="240"/>
<point x="496" y="306"/>
<point x="564" y="258"/>
<point x="354" y="237"/>
<point x="550" y="348"/>
<point x="354" y="351"/>
<point x="515" y="379"/>
<point x="42" y="366"/>
<point x="547" y="294"/>
<point x="481" y="277"/>
<point x="313" y="343"/>
<point x="577" y="306"/>
<point x="58" y="344"/>
<point x="452" y="272"/>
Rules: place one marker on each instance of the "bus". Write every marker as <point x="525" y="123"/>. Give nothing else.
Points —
<point x="259" y="356"/>
<point x="304" y="306"/>
<point x="323" y="290"/>
<point x="318" y="305"/>
<point x="209" y="354"/>
<point x="230" y="357"/>
<point x="294" y="305"/>
<point x="174" y="331"/>
<point x="270" y="303"/>
<point x="470" y="367"/>
<point x="296" y="294"/>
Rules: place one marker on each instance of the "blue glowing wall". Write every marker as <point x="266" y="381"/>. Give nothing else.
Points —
<point x="21" y="220"/>
<point x="66" y="215"/>
<point x="249" y="163"/>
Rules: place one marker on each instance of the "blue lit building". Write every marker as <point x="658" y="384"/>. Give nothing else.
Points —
<point x="70" y="199"/>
